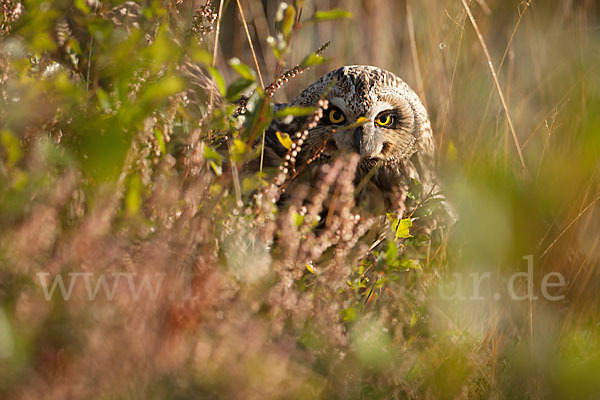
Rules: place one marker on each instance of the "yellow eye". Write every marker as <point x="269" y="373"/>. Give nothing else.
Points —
<point x="336" y="116"/>
<point x="384" y="120"/>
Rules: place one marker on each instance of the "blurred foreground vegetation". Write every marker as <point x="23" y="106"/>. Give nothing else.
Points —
<point x="112" y="162"/>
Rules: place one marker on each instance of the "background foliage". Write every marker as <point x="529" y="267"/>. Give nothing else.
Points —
<point x="109" y="164"/>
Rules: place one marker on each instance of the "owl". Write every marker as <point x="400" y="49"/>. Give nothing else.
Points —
<point x="373" y="113"/>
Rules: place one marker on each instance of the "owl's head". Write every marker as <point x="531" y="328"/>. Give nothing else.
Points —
<point x="391" y="118"/>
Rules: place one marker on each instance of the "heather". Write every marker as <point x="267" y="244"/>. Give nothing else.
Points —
<point x="186" y="269"/>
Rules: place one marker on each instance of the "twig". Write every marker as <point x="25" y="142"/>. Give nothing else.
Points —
<point x="570" y="225"/>
<point x="508" y="46"/>
<point x="89" y="66"/>
<point x="462" y="26"/>
<point x="262" y="85"/>
<point x="214" y="60"/>
<point x="512" y="35"/>
<point x="414" y="53"/>
<point x="290" y="74"/>
<point x="484" y="7"/>
<point x="270" y="91"/>
<point x="236" y="178"/>
<point x="259" y="20"/>
<point x="87" y="80"/>
<point x="497" y="83"/>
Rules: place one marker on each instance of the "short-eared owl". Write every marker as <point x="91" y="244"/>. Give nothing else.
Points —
<point x="393" y="135"/>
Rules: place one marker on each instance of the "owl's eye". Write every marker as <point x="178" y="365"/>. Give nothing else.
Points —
<point x="384" y="120"/>
<point x="336" y="116"/>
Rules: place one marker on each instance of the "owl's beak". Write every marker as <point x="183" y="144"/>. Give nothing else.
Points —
<point x="367" y="142"/>
<point x="358" y="134"/>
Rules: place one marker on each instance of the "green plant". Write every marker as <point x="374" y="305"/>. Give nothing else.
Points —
<point x="118" y="168"/>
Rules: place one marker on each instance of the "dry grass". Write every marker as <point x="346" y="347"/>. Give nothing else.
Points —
<point x="107" y="166"/>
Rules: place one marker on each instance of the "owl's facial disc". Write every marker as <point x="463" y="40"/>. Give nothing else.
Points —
<point x="386" y="133"/>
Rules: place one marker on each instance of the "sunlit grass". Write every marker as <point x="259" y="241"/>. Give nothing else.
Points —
<point x="110" y="168"/>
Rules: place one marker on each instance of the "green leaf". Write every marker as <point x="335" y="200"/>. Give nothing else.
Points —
<point x="242" y="69"/>
<point x="162" y="50"/>
<point x="102" y="147"/>
<point x="295" y="111"/>
<point x="219" y="81"/>
<point x="210" y="154"/>
<point x="297" y="219"/>
<point x="160" y="140"/>
<point x="285" y="18"/>
<point x="163" y="88"/>
<point x="330" y="15"/>
<point x="402" y="228"/>
<point x="44" y="42"/>
<point x="428" y="207"/>
<point x="237" y="88"/>
<point x="349" y="314"/>
<point x="410" y="263"/>
<point x="288" y="22"/>
<point x="414" y="189"/>
<point x="100" y="28"/>
<point x="82" y="6"/>
<point x="12" y="146"/>
<point x="312" y="59"/>
<point x="251" y="184"/>
<point x="133" y="198"/>
<point x="413" y="319"/>
<point x="391" y="254"/>
<point x="215" y="189"/>
<point x="284" y="139"/>
<point x="201" y="56"/>
<point x="273" y="43"/>
<point x="103" y="99"/>
<point x="240" y="149"/>
<point x="217" y="168"/>
<point x="451" y="152"/>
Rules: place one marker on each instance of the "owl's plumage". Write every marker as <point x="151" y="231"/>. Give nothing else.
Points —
<point x="394" y="137"/>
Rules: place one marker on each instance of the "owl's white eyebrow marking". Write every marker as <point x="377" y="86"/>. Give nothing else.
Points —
<point x="340" y="103"/>
<point x="382" y="106"/>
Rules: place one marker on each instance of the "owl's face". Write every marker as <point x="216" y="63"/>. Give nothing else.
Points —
<point x="372" y="112"/>
<point x="384" y="130"/>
